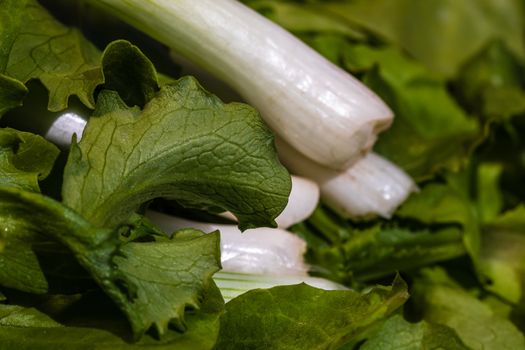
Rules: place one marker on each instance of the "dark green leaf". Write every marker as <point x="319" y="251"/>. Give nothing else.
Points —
<point x="33" y="45"/>
<point x="26" y="219"/>
<point x="130" y="73"/>
<point x="346" y="251"/>
<point x="19" y="265"/>
<point x="303" y="317"/>
<point x="330" y="46"/>
<point x="11" y="19"/>
<point x="164" y="278"/>
<point x="153" y="283"/>
<point x="25" y="159"/>
<point x="185" y="145"/>
<point x="447" y="203"/>
<point x="12" y="92"/>
<point x="29" y="329"/>
<point x="18" y="316"/>
<point x="491" y="84"/>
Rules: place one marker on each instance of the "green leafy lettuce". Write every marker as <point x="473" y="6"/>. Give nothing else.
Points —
<point x="442" y="301"/>
<point x="440" y="34"/>
<point x="430" y="127"/>
<point x="503" y="254"/>
<point x="186" y="145"/>
<point x="90" y="322"/>
<point x="398" y="334"/>
<point x="87" y="270"/>
<point x="302" y="317"/>
<point x="24" y="160"/>
<point x="36" y="46"/>
<point x="123" y="270"/>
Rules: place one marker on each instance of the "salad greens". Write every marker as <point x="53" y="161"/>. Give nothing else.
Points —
<point x="36" y="46"/>
<point x="331" y="318"/>
<point x="458" y="130"/>
<point x="85" y="269"/>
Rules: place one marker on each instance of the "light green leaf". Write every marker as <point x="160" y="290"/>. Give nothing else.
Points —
<point x="304" y="18"/>
<point x="398" y="334"/>
<point x="490" y="198"/>
<point x="430" y="131"/>
<point x="444" y="302"/>
<point x="25" y="158"/>
<point x="438" y="203"/>
<point x="33" y="45"/>
<point x="502" y="254"/>
<point x="442" y="34"/>
<point x="18" y="316"/>
<point x="303" y="317"/>
<point x="185" y="145"/>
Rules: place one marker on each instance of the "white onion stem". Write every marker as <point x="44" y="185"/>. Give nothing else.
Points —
<point x="234" y="284"/>
<point x="314" y="105"/>
<point x="255" y="251"/>
<point x="372" y="186"/>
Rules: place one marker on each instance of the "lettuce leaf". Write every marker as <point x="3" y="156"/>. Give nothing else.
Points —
<point x="302" y="18"/>
<point x="27" y="219"/>
<point x="490" y="83"/>
<point x="25" y="159"/>
<point x="441" y="300"/>
<point x="89" y="322"/>
<point x="185" y="145"/>
<point x="19" y="264"/>
<point x="442" y="34"/>
<point x="129" y="72"/>
<point x="33" y="45"/>
<point x="12" y="93"/>
<point x="430" y="131"/>
<point x="398" y="334"/>
<point x="303" y="317"/>
<point x="151" y="282"/>
<point x="503" y="255"/>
